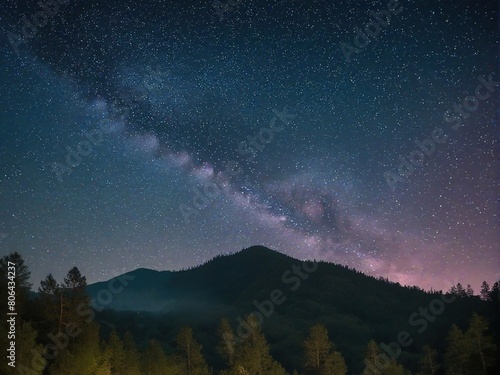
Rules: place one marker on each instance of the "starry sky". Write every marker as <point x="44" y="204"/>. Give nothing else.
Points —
<point x="160" y="134"/>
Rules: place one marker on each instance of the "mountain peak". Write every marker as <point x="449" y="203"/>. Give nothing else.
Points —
<point x="258" y="249"/>
<point x="259" y="252"/>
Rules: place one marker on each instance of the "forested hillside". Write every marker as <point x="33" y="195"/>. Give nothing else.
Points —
<point x="253" y="312"/>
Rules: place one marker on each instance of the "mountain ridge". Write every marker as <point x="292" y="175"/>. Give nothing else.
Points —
<point x="353" y="306"/>
<point x="205" y="274"/>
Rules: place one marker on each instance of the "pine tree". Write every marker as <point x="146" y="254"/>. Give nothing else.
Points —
<point x="154" y="361"/>
<point x="227" y="344"/>
<point x="48" y="286"/>
<point x="428" y="361"/>
<point x="372" y="353"/>
<point x="457" y="352"/>
<point x="116" y="354"/>
<point x="461" y="290"/>
<point x="482" y="347"/>
<point x="49" y="291"/>
<point x="251" y="356"/>
<point x="29" y="354"/>
<point x="334" y="364"/>
<point x="317" y="347"/>
<point x="72" y="298"/>
<point x="85" y="356"/>
<point x="469" y="291"/>
<point x="22" y="272"/>
<point x="379" y="363"/>
<point x="190" y="353"/>
<point x="132" y="356"/>
<point x="74" y="281"/>
<point x="485" y="291"/>
<point x="494" y="295"/>
<point x="320" y="357"/>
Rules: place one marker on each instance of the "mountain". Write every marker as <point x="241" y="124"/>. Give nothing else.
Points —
<point x="289" y="295"/>
<point x="228" y="280"/>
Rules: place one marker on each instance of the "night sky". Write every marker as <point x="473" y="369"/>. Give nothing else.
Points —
<point x="293" y="128"/>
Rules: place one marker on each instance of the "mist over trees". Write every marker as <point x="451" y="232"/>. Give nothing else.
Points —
<point x="58" y="333"/>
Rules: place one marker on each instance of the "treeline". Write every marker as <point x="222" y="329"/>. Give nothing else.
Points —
<point x="56" y="334"/>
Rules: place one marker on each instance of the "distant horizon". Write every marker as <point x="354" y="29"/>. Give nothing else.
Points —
<point x="464" y="284"/>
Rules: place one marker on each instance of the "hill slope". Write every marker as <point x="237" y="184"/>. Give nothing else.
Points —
<point x="353" y="306"/>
